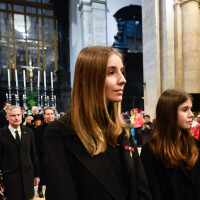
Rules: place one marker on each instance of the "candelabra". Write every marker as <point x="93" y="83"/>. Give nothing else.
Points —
<point x="42" y="105"/>
<point x="45" y="97"/>
<point x="52" y="99"/>
<point x="24" y="95"/>
<point x="43" y="100"/>
<point x="17" y="97"/>
<point x="24" y="101"/>
<point x="38" y="93"/>
<point x="9" y="94"/>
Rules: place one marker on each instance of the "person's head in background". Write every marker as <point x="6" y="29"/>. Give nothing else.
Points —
<point x="23" y="110"/>
<point x="171" y="139"/>
<point x="38" y="120"/>
<point x="142" y="112"/>
<point x="135" y="110"/>
<point x="34" y="110"/>
<point x="96" y="97"/>
<point x="49" y="114"/>
<point x="127" y="113"/>
<point x="14" y="116"/>
<point x="198" y="118"/>
<point x="29" y="120"/>
<point x="6" y="105"/>
<point x="147" y="118"/>
<point x="132" y="112"/>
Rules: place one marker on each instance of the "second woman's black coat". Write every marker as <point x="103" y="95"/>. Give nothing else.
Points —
<point x="170" y="184"/>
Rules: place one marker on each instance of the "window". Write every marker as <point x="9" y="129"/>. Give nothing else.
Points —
<point x="129" y="36"/>
<point x="28" y="32"/>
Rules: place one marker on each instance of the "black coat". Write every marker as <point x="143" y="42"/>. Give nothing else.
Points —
<point x="3" y="120"/>
<point x="170" y="184"/>
<point x="72" y="173"/>
<point x="18" y="164"/>
<point x="39" y="134"/>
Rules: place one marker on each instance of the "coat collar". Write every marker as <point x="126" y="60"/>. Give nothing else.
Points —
<point x="10" y="136"/>
<point x="196" y="167"/>
<point x="99" y="165"/>
<point x="185" y="172"/>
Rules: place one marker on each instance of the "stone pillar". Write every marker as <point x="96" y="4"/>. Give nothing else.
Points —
<point x="178" y="46"/>
<point x="151" y="55"/>
<point x="93" y="22"/>
<point x="190" y="28"/>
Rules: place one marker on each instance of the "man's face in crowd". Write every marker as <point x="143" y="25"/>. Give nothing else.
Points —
<point x="23" y="111"/>
<point x="14" y="117"/>
<point x="147" y="119"/>
<point x="34" y="111"/>
<point x="49" y="116"/>
<point x="7" y="105"/>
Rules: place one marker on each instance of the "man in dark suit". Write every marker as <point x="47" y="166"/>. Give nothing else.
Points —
<point x="18" y="160"/>
<point x="3" y="120"/>
<point x="49" y="116"/>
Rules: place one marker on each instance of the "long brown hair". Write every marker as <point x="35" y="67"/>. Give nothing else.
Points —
<point x="166" y="142"/>
<point x="95" y="122"/>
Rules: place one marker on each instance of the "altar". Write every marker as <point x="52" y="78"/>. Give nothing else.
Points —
<point x="43" y="100"/>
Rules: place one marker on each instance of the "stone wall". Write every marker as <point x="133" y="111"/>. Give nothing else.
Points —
<point x="170" y="48"/>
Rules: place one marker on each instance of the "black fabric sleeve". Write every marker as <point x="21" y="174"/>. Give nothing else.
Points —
<point x="60" y="184"/>
<point x="34" y="155"/>
<point x="143" y="190"/>
<point x="149" y="164"/>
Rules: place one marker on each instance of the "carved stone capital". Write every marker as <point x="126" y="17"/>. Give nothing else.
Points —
<point x="184" y="1"/>
<point x="89" y="3"/>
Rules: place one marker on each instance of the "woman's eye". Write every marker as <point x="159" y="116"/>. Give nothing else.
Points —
<point x="110" y="72"/>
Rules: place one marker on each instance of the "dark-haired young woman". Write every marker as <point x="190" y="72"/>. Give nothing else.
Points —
<point x="90" y="154"/>
<point x="171" y="155"/>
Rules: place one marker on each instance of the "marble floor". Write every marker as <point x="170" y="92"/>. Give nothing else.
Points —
<point x="36" y="197"/>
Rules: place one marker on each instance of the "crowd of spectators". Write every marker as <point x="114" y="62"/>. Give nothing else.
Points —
<point x="141" y="125"/>
<point x="36" y="122"/>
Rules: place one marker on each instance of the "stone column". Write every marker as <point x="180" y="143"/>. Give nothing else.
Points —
<point x="190" y="35"/>
<point x="93" y="22"/>
<point x="178" y="46"/>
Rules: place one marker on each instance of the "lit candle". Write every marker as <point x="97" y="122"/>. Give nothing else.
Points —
<point x="8" y="78"/>
<point x="16" y="78"/>
<point x="45" y="79"/>
<point x="51" y="80"/>
<point x="24" y="76"/>
<point x="6" y="97"/>
<point x="38" y="83"/>
<point x="47" y="100"/>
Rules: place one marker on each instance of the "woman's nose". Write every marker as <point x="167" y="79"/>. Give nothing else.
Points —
<point x="122" y="79"/>
<point x="191" y="114"/>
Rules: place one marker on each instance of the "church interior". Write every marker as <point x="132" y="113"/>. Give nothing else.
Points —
<point x="40" y="40"/>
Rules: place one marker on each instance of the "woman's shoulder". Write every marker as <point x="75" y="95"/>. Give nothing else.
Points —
<point x="197" y="143"/>
<point x="60" y="126"/>
<point x="146" y="147"/>
<point x="146" y="152"/>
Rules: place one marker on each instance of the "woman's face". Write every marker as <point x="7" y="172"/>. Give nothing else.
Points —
<point x="185" y="115"/>
<point x="29" y="120"/>
<point x="38" y="122"/>
<point x="115" y="81"/>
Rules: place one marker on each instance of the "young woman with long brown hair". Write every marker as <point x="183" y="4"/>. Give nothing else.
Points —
<point x="171" y="155"/>
<point x="89" y="151"/>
